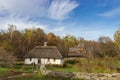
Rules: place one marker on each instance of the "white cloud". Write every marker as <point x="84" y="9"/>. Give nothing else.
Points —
<point x="20" y="23"/>
<point x="110" y="13"/>
<point x="23" y="23"/>
<point x="31" y="8"/>
<point x="59" y="29"/>
<point x="20" y="12"/>
<point x="60" y="9"/>
<point x="53" y="9"/>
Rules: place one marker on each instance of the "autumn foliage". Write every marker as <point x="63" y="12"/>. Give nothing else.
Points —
<point x="20" y="42"/>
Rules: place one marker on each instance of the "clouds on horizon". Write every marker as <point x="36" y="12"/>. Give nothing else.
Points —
<point x="53" y="16"/>
<point x="20" y="12"/>
<point x="21" y="23"/>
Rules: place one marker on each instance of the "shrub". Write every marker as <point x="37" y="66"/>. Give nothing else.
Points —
<point x="7" y="58"/>
<point x="73" y="61"/>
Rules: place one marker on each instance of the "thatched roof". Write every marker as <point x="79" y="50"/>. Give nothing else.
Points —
<point x="76" y="52"/>
<point x="44" y="52"/>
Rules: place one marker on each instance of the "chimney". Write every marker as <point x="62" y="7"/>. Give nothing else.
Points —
<point x="45" y="44"/>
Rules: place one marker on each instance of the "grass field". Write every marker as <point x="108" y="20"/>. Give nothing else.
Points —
<point x="91" y="65"/>
<point x="20" y="68"/>
<point x="5" y="72"/>
<point x="71" y="65"/>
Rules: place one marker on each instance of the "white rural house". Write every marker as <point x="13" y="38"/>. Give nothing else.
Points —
<point x="44" y="55"/>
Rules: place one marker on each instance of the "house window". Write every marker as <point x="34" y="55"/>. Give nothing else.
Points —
<point x="39" y="60"/>
<point x="54" y="59"/>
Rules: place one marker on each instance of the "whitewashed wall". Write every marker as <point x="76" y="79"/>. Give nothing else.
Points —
<point x="30" y="61"/>
<point x="52" y="61"/>
<point x="44" y="61"/>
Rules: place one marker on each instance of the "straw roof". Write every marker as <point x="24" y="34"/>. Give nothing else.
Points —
<point x="44" y="52"/>
<point x="76" y="52"/>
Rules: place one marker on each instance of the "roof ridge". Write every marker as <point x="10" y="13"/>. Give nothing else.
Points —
<point x="45" y="47"/>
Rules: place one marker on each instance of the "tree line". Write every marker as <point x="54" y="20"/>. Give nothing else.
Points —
<point x="20" y="42"/>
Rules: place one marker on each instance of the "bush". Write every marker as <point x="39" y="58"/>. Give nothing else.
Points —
<point x="7" y="64"/>
<point x="72" y="61"/>
<point x="97" y="65"/>
<point x="27" y="68"/>
<point x="53" y="66"/>
<point x="17" y="66"/>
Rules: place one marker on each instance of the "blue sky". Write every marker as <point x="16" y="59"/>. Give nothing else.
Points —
<point x="89" y="19"/>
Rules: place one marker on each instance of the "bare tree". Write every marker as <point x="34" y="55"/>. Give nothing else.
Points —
<point x="6" y="58"/>
<point x="11" y="29"/>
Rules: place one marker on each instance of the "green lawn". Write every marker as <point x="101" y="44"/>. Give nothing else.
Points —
<point x="14" y="70"/>
<point x="31" y="76"/>
<point x="67" y="68"/>
<point x="38" y="77"/>
<point x="73" y="69"/>
<point x="71" y="65"/>
<point x="91" y="65"/>
<point x="4" y="71"/>
<point x="118" y="64"/>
